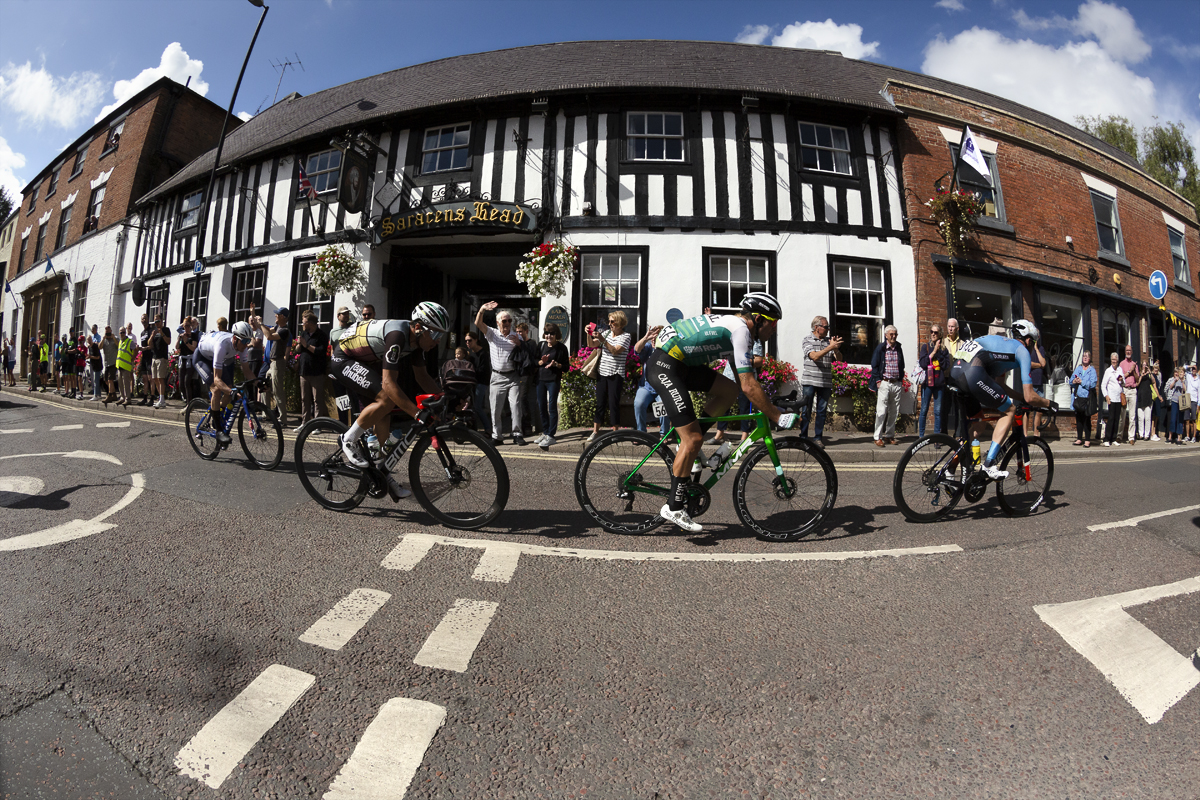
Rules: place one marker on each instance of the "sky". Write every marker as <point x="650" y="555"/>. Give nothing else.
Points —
<point x="66" y="63"/>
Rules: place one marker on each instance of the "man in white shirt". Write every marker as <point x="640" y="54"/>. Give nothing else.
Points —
<point x="506" y="380"/>
<point x="1191" y="377"/>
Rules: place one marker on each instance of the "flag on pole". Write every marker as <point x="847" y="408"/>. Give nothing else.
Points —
<point x="49" y="266"/>
<point x="969" y="152"/>
<point x="306" y="187"/>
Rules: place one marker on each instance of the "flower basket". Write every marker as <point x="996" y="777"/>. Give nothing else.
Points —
<point x="336" y="270"/>
<point x="547" y="268"/>
<point x="955" y="213"/>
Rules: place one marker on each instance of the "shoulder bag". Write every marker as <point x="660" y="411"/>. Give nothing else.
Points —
<point x="591" y="367"/>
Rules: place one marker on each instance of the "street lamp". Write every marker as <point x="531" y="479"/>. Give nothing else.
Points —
<point x="212" y="176"/>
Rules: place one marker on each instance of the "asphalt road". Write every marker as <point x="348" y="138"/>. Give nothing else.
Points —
<point x="211" y="632"/>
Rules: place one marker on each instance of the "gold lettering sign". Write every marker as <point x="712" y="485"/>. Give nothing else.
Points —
<point x="460" y="215"/>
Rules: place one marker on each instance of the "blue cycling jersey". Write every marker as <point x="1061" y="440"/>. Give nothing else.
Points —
<point x="998" y="355"/>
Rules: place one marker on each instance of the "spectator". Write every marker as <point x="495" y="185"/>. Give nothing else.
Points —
<point x="160" y="352"/>
<point x="313" y="346"/>
<point x="188" y="343"/>
<point x="1037" y="376"/>
<point x="887" y="378"/>
<point x="1158" y="414"/>
<point x="1191" y="378"/>
<point x="480" y="358"/>
<point x="955" y="418"/>
<point x="37" y="366"/>
<point x="125" y="355"/>
<point x="1145" y="401"/>
<point x="1131" y="374"/>
<point x="58" y="374"/>
<point x="645" y="395"/>
<point x="611" y="373"/>
<point x="936" y="362"/>
<point x="280" y="337"/>
<point x="1111" y="388"/>
<point x="529" y="381"/>
<point x="63" y="368"/>
<point x="143" y="365"/>
<point x="96" y="337"/>
<point x="8" y="358"/>
<point x="1083" y="383"/>
<point x="96" y="364"/>
<point x="82" y="373"/>
<point x="368" y="312"/>
<point x="252" y="356"/>
<point x="553" y="361"/>
<point x="108" y="357"/>
<point x="505" y="383"/>
<point x="1173" y="396"/>
<point x="819" y="351"/>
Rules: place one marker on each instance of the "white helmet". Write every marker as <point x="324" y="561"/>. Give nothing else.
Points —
<point x="242" y="331"/>
<point x="432" y="316"/>
<point x="1022" y="328"/>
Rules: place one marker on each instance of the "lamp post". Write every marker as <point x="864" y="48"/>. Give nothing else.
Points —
<point x="212" y="176"/>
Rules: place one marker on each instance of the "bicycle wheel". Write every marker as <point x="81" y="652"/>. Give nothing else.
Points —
<point x="197" y="421"/>
<point x="323" y="470"/>
<point x="1028" y="482"/>
<point x="759" y="495"/>
<point x="926" y="485"/>
<point x="262" y="438"/>
<point x="458" y="476"/>
<point x="602" y="488"/>
<point x="173" y="384"/>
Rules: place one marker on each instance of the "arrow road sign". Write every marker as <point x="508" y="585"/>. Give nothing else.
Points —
<point x="1158" y="284"/>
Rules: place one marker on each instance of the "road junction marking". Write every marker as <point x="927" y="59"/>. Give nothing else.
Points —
<point x="1133" y="521"/>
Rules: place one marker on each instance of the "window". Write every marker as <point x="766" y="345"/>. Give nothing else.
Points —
<point x="1108" y="224"/>
<point x="64" y="223"/>
<point x="248" y="292"/>
<point x="730" y="278"/>
<point x="195" y="300"/>
<point x="322" y="170"/>
<point x="33" y="193"/>
<point x="825" y="148"/>
<point x="53" y="181"/>
<point x="1062" y="339"/>
<point x="611" y="282"/>
<point x="80" y="157"/>
<point x="859" y="309"/>
<point x="113" y="140"/>
<point x="189" y="211"/>
<point x="21" y="257"/>
<point x="41" y="243"/>
<point x="970" y="181"/>
<point x="94" y="206"/>
<point x="156" y="302"/>
<point x="983" y="307"/>
<point x="308" y="300"/>
<point x="654" y="136"/>
<point x="1179" y="257"/>
<point x="80" y="320"/>
<point x="446" y="148"/>
<point x="1115" y="332"/>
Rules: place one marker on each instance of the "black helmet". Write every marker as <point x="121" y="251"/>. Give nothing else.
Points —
<point x="762" y="303"/>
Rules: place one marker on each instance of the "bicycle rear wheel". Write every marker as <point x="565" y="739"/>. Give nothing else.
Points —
<point x="197" y="421"/>
<point x="323" y="470"/>
<point x="262" y="438"/>
<point x="1028" y="482"/>
<point x="605" y="472"/>
<point x="785" y="506"/>
<point x="924" y="485"/>
<point x="458" y="476"/>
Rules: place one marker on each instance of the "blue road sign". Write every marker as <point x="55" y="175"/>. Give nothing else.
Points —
<point x="198" y="267"/>
<point x="1158" y="284"/>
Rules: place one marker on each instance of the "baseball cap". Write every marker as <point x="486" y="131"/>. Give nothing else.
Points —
<point x="343" y="310"/>
<point x="284" y="311"/>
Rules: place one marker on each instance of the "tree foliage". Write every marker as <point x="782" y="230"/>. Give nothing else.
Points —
<point x="6" y="204"/>
<point x="1117" y="131"/>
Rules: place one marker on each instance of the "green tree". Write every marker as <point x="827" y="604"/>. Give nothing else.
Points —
<point x="1117" y="131"/>
<point x="6" y="204"/>
<point x="1170" y="159"/>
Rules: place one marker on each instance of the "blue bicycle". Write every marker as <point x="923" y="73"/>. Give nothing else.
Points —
<point x="259" y="430"/>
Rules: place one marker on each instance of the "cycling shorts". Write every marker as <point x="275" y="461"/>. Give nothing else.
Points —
<point x="973" y="381"/>
<point x="204" y="371"/>
<point x="673" y="379"/>
<point x="363" y="380"/>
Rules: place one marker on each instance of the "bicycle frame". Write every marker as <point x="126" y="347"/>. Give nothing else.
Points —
<point x="238" y="405"/>
<point x="1016" y="438"/>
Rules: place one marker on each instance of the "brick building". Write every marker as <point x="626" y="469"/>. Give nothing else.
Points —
<point x="72" y="226"/>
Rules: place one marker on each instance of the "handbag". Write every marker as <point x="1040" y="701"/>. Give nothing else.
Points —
<point x="1185" y="401"/>
<point x="591" y="367"/>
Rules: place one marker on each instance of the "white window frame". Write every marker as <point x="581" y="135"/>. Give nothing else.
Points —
<point x="865" y="293"/>
<point x="814" y="146"/>
<point x="306" y="299"/>
<point x="54" y="175"/>
<point x="648" y="138"/>
<point x="1115" y="226"/>
<point x="96" y="204"/>
<point x="721" y="268"/>
<point x="1179" y="257"/>
<point x="112" y="139"/>
<point x="195" y="301"/>
<point x="238" y="306"/>
<point x="189" y="210"/>
<point x="630" y="274"/>
<point x="64" y="224"/>
<point x="322" y="176"/>
<point x="453" y="148"/>
<point x="80" y="319"/>
<point x="40" y="250"/>
<point x="156" y="303"/>
<point x="80" y="158"/>
<point x="978" y="185"/>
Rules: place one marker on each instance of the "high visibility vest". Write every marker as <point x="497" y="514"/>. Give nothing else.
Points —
<point x="45" y="355"/>
<point x="125" y="354"/>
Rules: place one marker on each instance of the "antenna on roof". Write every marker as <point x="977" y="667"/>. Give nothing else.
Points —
<point x="282" y="66"/>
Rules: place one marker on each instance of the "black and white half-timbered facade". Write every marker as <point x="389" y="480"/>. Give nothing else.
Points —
<point x="686" y="173"/>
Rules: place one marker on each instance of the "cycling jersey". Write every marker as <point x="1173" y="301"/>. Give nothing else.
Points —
<point x="981" y="361"/>
<point x="377" y="341"/>
<point x="708" y="337"/>
<point x="215" y="351"/>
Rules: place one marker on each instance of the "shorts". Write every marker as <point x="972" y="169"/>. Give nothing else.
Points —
<point x="364" y="380"/>
<point x="160" y="368"/>
<point x="974" y="382"/>
<point x="43" y="367"/>
<point x="673" y="380"/>
<point x="204" y="371"/>
<point x="68" y="368"/>
<point x="110" y="373"/>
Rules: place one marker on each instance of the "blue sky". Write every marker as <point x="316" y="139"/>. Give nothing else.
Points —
<point x="63" y="62"/>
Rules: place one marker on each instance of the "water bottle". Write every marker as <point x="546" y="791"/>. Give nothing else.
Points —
<point x="716" y="458"/>
<point x="975" y="450"/>
<point x="373" y="446"/>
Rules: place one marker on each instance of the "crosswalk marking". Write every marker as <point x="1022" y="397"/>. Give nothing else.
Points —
<point x="67" y="428"/>
<point x="1132" y="522"/>
<point x="454" y="640"/>
<point x="345" y="619"/>
<point x="213" y="752"/>
<point x="389" y="753"/>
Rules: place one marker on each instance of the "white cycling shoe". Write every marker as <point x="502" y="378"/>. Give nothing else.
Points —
<point x="353" y="452"/>
<point x="680" y="518"/>
<point x="396" y="491"/>
<point x="995" y="473"/>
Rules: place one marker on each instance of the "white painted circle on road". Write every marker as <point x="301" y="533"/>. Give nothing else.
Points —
<point x="15" y="488"/>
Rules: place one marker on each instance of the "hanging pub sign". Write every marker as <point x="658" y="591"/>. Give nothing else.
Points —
<point x="352" y="193"/>
<point x="467" y="215"/>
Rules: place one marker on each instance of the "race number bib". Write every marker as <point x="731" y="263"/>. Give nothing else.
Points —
<point x="968" y="350"/>
<point x="657" y="409"/>
<point x="343" y="403"/>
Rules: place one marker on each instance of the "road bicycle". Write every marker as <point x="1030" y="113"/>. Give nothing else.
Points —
<point x="456" y="474"/>
<point x="937" y="470"/>
<point x="258" y="430"/>
<point x="783" y="490"/>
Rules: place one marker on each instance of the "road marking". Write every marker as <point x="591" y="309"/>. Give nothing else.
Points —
<point x="454" y="640"/>
<point x="67" y="428"/>
<point x="1133" y="521"/>
<point x="1147" y="671"/>
<point x="15" y="488"/>
<point x="345" y="619"/>
<point x="76" y="529"/>
<point x="213" y="752"/>
<point x="499" y="559"/>
<point x="17" y="430"/>
<point x="389" y="753"/>
<point x="124" y="424"/>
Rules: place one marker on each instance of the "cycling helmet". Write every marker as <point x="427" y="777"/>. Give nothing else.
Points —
<point x="433" y="317"/>
<point x="242" y="331"/>
<point x="1022" y="328"/>
<point x="762" y="303"/>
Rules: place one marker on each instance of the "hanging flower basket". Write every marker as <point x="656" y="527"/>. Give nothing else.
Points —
<point x="955" y="213"/>
<point x="546" y="268"/>
<point x="336" y="271"/>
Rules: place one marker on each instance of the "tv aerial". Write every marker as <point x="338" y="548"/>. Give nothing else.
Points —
<point x="282" y="67"/>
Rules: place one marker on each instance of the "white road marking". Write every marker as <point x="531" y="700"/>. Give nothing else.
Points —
<point x="113" y="424"/>
<point x="73" y="454"/>
<point x="389" y="753"/>
<point x="76" y="529"/>
<point x="1132" y="522"/>
<point x="345" y="619"/>
<point x="67" y="428"/>
<point x="15" y="488"/>
<point x="17" y="430"/>
<point x="1148" y="672"/>
<point x="498" y="563"/>
<point x="409" y="552"/>
<point x="213" y="752"/>
<point x="454" y="640"/>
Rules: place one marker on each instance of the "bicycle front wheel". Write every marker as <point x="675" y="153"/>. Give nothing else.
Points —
<point x="786" y="504"/>
<point x="1028" y="482"/>
<point x="323" y="470"/>
<point x="929" y="479"/>
<point x="614" y="492"/>
<point x="262" y="438"/>
<point x="458" y="476"/>
<point x="197" y="421"/>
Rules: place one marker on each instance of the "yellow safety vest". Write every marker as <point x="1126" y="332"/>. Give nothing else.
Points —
<point x="125" y="354"/>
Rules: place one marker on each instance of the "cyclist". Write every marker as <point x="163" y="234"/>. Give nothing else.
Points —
<point x="679" y="364"/>
<point x="983" y="360"/>
<point x="214" y="367"/>
<point x="366" y="360"/>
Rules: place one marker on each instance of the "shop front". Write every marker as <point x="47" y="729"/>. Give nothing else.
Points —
<point x="41" y="308"/>
<point x="1065" y="327"/>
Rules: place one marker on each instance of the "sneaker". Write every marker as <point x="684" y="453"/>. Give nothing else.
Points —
<point x="1116" y="444"/>
<point x="995" y="473"/>
<point x="396" y="491"/>
<point x="591" y="438"/>
<point x="353" y="452"/>
<point x="1108" y="444"/>
<point x="680" y="518"/>
<point x="1155" y="439"/>
<point x="547" y="442"/>
<point x="519" y="440"/>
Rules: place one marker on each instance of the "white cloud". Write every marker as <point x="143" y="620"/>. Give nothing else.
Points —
<point x="827" y="35"/>
<point x="10" y="162"/>
<point x="754" y="34"/>
<point x="245" y="116"/>
<point x="951" y="5"/>
<point x="37" y="97"/>
<point x="1110" y="25"/>
<point x="174" y="64"/>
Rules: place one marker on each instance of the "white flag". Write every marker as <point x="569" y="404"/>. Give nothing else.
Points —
<point x="969" y="152"/>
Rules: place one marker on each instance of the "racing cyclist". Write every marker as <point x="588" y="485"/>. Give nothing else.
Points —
<point x="367" y="359"/>
<point x="220" y="348"/>
<point x="983" y="360"/>
<point x="679" y="364"/>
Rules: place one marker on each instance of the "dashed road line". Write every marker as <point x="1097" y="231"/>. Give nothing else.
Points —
<point x="124" y="424"/>
<point x="345" y="619"/>
<point x="67" y="428"/>
<point x="389" y="752"/>
<point x="16" y="430"/>
<point x="454" y="640"/>
<point x="1133" y="521"/>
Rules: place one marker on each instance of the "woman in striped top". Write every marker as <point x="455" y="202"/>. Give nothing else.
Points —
<point x="614" y="352"/>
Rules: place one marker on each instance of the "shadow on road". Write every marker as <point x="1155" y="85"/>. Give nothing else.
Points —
<point x="54" y="501"/>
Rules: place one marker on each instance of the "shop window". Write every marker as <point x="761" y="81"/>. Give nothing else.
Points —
<point x="53" y="185"/>
<point x="611" y="282"/>
<point x="859" y="309"/>
<point x="825" y="148"/>
<point x="189" y="210"/>
<point x="1062" y="339"/>
<point x="40" y="250"/>
<point x="322" y="170"/>
<point x="195" y="300"/>
<point x="156" y="303"/>
<point x="1179" y="257"/>
<point x="1108" y="224"/>
<point x="94" y="206"/>
<point x="1188" y="343"/>
<point x="446" y="148"/>
<point x="248" y="292"/>
<point x="1116" y="329"/>
<point x="970" y="181"/>
<point x="730" y="278"/>
<point x="79" y="322"/>
<point x="80" y="157"/>
<point x="306" y="299"/>
<point x="984" y="307"/>
<point x="64" y="223"/>
<point x="654" y="136"/>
